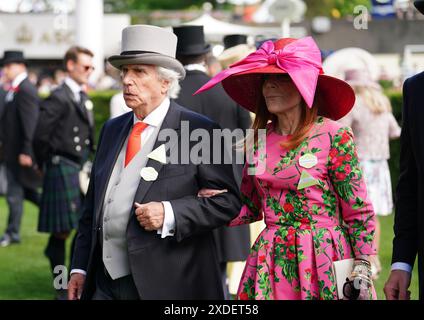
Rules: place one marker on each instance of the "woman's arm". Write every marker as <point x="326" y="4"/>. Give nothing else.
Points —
<point x="347" y="179"/>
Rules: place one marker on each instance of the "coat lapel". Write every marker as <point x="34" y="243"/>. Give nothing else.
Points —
<point x="171" y="121"/>
<point x="119" y="135"/>
<point x="80" y="109"/>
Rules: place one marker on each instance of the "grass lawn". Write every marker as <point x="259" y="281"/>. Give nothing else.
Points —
<point x="25" y="272"/>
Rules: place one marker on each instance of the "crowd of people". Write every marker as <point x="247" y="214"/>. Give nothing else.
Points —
<point x="152" y="228"/>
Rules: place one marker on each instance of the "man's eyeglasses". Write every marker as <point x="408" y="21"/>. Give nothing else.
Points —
<point x="88" y="68"/>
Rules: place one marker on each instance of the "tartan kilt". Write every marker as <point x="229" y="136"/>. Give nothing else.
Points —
<point x="61" y="199"/>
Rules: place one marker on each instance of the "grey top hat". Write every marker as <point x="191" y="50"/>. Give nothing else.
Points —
<point x="419" y="5"/>
<point x="145" y="44"/>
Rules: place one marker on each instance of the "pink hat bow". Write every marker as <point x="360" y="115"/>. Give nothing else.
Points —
<point x="301" y="59"/>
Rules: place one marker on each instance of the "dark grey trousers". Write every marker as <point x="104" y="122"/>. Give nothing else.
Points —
<point x="119" y="289"/>
<point x="15" y="201"/>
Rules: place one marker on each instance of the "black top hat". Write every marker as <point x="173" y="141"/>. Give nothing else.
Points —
<point x="13" y="57"/>
<point x="260" y="41"/>
<point x="191" y="40"/>
<point x="419" y="5"/>
<point x="233" y="40"/>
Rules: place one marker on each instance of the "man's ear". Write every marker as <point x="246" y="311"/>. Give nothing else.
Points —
<point x="165" y="86"/>
<point x="70" y="65"/>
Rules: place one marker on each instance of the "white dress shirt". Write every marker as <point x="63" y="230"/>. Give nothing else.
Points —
<point x="402" y="266"/>
<point x="15" y="83"/>
<point x="19" y="78"/>
<point x="75" y="88"/>
<point x="195" y="66"/>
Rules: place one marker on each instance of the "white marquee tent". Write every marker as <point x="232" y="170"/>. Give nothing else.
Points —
<point x="215" y="29"/>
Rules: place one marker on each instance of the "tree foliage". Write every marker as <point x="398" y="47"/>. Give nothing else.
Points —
<point x="139" y="5"/>
<point x="334" y="8"/>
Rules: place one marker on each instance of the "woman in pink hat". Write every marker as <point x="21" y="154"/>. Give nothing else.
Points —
<point x="311" y="194"/>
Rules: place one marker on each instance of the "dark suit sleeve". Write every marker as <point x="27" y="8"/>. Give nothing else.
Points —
<point x="85" y="228"/>
<point x="405" y="227"/>
<point x="51" y="110"/>
<point x="28" y="110"/>
<point x="2" y="103"/>
<point x="195" y="215"/>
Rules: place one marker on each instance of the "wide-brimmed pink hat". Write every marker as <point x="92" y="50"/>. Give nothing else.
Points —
<point x="301" y="60"/>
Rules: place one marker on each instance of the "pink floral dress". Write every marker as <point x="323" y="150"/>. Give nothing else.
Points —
<point x="307" y="228"/>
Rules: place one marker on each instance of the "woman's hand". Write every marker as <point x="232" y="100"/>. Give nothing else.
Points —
<point x="360" y="285"/>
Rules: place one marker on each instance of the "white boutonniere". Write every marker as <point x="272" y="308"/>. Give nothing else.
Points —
<point x="89" y="105"/>
<point x="149" y="174"/>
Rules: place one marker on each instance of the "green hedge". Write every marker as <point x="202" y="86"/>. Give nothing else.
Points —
<point x="101" y="101"/>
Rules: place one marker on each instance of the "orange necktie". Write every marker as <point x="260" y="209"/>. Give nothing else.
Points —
<point x="134" y="141"/>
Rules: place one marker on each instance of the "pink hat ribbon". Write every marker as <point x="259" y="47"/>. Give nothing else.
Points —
<point x="301" y="59"/>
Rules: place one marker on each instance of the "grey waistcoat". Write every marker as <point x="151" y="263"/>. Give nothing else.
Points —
<point x="118" y="203"/>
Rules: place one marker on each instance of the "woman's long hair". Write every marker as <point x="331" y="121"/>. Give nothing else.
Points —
<point x="307" y="120"/>
<point x="373" y="98"/>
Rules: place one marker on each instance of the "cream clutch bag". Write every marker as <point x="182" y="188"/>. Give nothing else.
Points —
<point x="342" y="270"/>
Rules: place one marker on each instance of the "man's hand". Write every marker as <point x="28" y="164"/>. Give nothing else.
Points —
<point x="25" y="160"/>
<point x="75" y="286"/>
<point x="396" y="287"/>
<point x="150" y="215"/>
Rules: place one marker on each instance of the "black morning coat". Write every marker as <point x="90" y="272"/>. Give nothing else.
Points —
<point x="18" y="124"/>
<point x="409" y="205"/>
<point x="65" y="127"/>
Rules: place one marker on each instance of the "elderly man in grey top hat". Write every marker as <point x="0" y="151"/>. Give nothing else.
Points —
<point x="144" y="232"/>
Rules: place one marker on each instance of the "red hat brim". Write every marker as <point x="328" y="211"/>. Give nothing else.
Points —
<point x="336" y="97"/>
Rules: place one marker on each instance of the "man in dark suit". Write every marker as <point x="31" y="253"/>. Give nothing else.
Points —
<point x="63" y="142"/>
<point x="151" y="237"/>
<point x="2" y="100"/>
<point x="409" y="216"/>
<point x="18" y="125"/>
<point x="3" y="179"/>
<point x="233" y="243"/>
<point x="2" y="103"/>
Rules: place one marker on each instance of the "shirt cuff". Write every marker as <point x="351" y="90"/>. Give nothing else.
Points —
<point x="168" y="228"/>
<point x="78" y="271"/>
<point x="402" y="266"/>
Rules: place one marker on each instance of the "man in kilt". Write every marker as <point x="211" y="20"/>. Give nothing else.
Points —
<point x="64" y="141"/>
